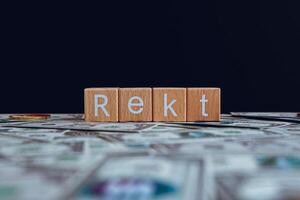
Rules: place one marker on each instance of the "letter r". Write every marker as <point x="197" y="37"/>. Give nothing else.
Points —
<point x="101" y="106"/>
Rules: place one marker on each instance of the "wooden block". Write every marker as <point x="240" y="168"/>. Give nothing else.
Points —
<point x="203" y="104"/>
<point x="101" y="104"/>
<point x="135" y="104"/>
<point x="169" y="104"/>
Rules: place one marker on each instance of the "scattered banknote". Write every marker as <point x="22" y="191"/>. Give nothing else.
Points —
<point x="188" y="135"/>
<point x="287" y="117"/>
<point x="259" y="185"/>
<point x="244" y="156"/>
<point x="82" y="125"/>
<point x="146" y="177"/>
<point x="228" y="121"/>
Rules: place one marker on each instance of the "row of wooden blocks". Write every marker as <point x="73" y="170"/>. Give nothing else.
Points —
<point x="151" y="104"/>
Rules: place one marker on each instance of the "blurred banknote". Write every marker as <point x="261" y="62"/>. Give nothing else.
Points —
<point x="244" y="156"/>
<point x="141" y="177"/>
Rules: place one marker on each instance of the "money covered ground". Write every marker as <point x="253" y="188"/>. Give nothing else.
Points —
<point x="61" y="156"/>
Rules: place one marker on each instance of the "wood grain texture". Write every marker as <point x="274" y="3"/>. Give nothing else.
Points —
<point x="212" y="106"/>
<point x="139" y="100"/>
<point x="179" y="107"/>
<point x="111" y="107"/>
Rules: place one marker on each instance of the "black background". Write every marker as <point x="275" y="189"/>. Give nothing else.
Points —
<point x="51" y="52"/>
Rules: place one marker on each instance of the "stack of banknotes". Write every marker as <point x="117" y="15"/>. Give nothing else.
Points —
<point x="244" y="156"/>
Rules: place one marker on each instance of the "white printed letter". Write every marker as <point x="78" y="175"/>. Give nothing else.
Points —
<point x="102" y="106"/>
<point x="203" y="103"/>
<point x="131" y="104"/>
<point x="168" y="106"/>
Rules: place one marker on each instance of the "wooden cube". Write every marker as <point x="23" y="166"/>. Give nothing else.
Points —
<point x="101" y="104"/>
<point x="169" y="104"/>
<point x="203" y="104"/>
<point x="135" y="104"/>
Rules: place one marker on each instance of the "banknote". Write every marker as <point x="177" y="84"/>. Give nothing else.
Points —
<point x="264" y="144"/>
<point x="227" y="121"/>
<point x="288" y="117"/>
<point x="264" y="185"/>
<point x="144" y="177"/>
<point x="25" y="181"/>
<point x="253" y="144"/>
<point x="163" y="127"/>
<point x="33" y="133"/>
<point x="291" y="129"/>
<point x="256" y="176"/>
<point x="49" y="135"/>
<point x="266" y="114"/>
<point x="66" y="153"/>
<point x="82" y="125"/>
<point x="270" y="144"/>
<point x="199" y="147"/>
<point x="188" y="135"/>
<point x="33" y="168"/>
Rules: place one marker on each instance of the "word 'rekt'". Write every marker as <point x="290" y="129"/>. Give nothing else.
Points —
<point x="152" y="104"/>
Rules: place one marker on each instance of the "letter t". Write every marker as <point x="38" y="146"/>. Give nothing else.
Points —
<point x="203" y="102"/>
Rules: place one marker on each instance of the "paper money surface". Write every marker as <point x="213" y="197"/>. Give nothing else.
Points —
<point x="244" y="156"/>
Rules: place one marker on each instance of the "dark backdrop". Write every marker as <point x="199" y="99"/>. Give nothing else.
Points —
<point x="51" y="52"/>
